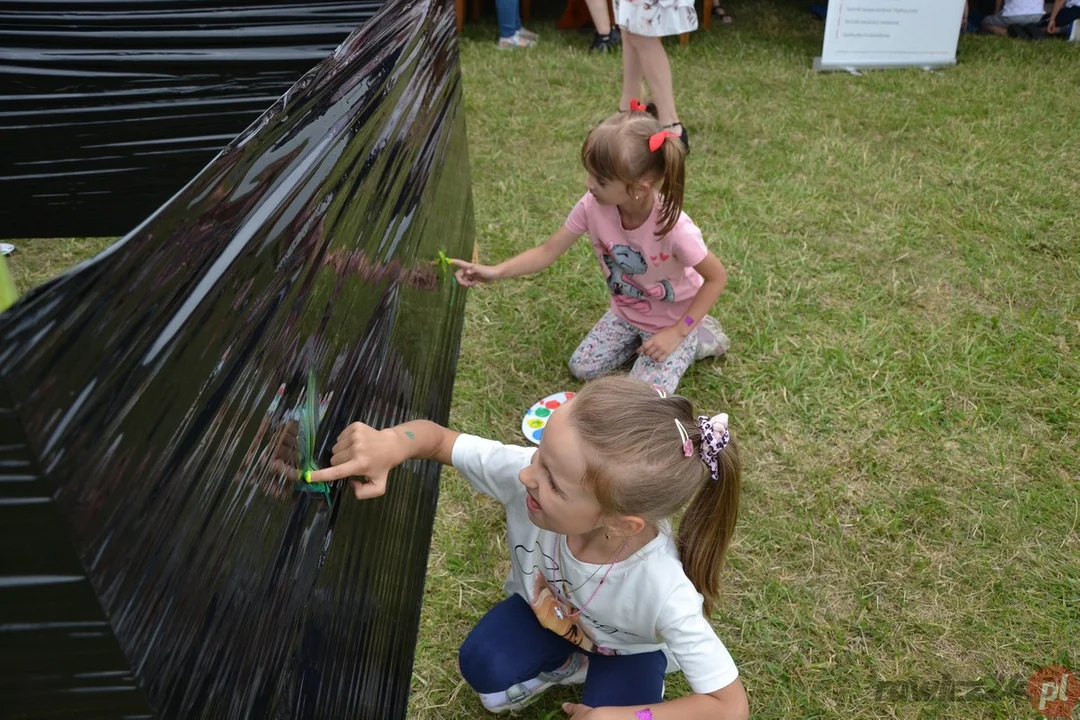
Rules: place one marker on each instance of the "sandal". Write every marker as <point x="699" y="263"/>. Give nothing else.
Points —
<point x="684" y="135"/>
<point x="517" y="40"/>
<point x="603" y="43"/>
<point x="720" y="14"/>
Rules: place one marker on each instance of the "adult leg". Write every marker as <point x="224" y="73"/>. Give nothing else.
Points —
<point x="995" y="25"/>
<point x="652" y="61"/>
<point x="507" y="13"/>
<point x="632" y="73"/>
<point x="599" y="13"/>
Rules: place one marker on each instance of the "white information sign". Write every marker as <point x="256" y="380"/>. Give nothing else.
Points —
<point x="865" y="34"/>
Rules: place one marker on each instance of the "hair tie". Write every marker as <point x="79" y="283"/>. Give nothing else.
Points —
<point x="714" y="438"/>
<point x="657" y="139"/>
<point x="636" y="106"/>
<point x="660" y="391"/>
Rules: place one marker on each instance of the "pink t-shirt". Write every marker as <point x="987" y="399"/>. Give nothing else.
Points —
<point x="652" y="279"/>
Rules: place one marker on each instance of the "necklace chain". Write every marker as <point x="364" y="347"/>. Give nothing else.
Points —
<point x="555" y="554"/>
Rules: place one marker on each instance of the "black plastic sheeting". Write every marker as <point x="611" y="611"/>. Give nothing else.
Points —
<point x="109" y="107"/>
<point x="156" y="559"/>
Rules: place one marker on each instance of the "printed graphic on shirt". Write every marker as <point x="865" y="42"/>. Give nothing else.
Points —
<point x="558" y="617"/>
<point x="551" y="604"/>
<point x="562" y="618"/>
<point x="624" y="262"/>
<point x="532" y="559"/>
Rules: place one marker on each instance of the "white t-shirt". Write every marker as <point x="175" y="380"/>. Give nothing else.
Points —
<point x="1022" y="7"/>
<point x="646" y="604"/>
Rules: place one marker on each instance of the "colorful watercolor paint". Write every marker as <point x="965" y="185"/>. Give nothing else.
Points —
<point x="534" y="422"/>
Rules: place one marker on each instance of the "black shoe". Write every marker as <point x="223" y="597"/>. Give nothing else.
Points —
<point x="684" y="136"/>
<point x="603" y="43"/>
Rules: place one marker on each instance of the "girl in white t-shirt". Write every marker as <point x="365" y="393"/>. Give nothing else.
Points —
<point x="601" y="591"/>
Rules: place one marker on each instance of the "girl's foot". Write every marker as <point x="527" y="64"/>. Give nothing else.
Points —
<point x="528" y="34"/>
<point x="520" y="695"/>
<point x="712" y="342"/>
<point x="517" y="40"/>
<point x="603" y="43"/>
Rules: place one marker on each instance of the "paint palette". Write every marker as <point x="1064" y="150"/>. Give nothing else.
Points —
<point x="534" y="422"/>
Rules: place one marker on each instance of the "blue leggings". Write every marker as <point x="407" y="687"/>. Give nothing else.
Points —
<point x="509" y="645"/>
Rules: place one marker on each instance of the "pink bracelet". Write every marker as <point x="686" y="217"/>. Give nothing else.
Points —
<point x="645" y="714"/>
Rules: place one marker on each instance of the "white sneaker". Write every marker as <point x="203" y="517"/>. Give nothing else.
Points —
<point x="517" y="40"/>
<point x="1074" y="36"/>
<point x="524" y="693"/>
<point x="528" y="34"/>
<point x="712" y="342"/>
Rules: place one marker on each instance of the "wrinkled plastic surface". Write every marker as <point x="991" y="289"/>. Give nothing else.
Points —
<point x="157" y="557"/>
<point x="109" y="107"/>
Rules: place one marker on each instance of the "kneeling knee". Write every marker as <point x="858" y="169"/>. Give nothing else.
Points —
<point x="481" y="668"/>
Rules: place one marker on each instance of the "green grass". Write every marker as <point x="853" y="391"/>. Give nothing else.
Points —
<point x="36" y="261"/>
<point x="904" y="257"/>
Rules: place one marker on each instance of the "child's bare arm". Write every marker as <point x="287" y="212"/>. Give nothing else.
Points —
<point x="663" y="343"/>
<point x="728" y="703"/>
<point x="714" y="274"/>
<point x="531" y="261"/>
<point x="1052" y="26"/>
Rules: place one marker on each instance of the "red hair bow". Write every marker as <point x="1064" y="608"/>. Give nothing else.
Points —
<point x="636" y="106"/>
<point x="657" y="139"/>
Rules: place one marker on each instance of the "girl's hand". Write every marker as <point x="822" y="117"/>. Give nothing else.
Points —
<point x="363" y="451"/>
<point x="469" y="274"/>
<point x="662" y="344"/>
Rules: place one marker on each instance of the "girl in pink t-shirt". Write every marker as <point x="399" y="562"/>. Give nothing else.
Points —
<point x="663" y="280"/>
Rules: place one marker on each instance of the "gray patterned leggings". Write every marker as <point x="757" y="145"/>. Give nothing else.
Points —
<point x="613" y="342"/>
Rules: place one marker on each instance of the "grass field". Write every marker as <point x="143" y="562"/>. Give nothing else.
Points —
<point x="904" y="260"/>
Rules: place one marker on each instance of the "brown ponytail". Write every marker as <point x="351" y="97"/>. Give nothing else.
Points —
<point x="638" y="467"/>
<point x="708" y="527"/>
<point x="671" y="187"/>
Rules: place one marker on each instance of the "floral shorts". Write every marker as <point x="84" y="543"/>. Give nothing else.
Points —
<point x="656" y="18"/>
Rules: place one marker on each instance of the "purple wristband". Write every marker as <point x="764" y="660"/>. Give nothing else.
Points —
<point x="645" y="714"/>
<point x="689" y="323"/>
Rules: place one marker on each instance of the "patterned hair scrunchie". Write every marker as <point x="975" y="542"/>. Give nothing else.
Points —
<point x="714" y="438"/>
